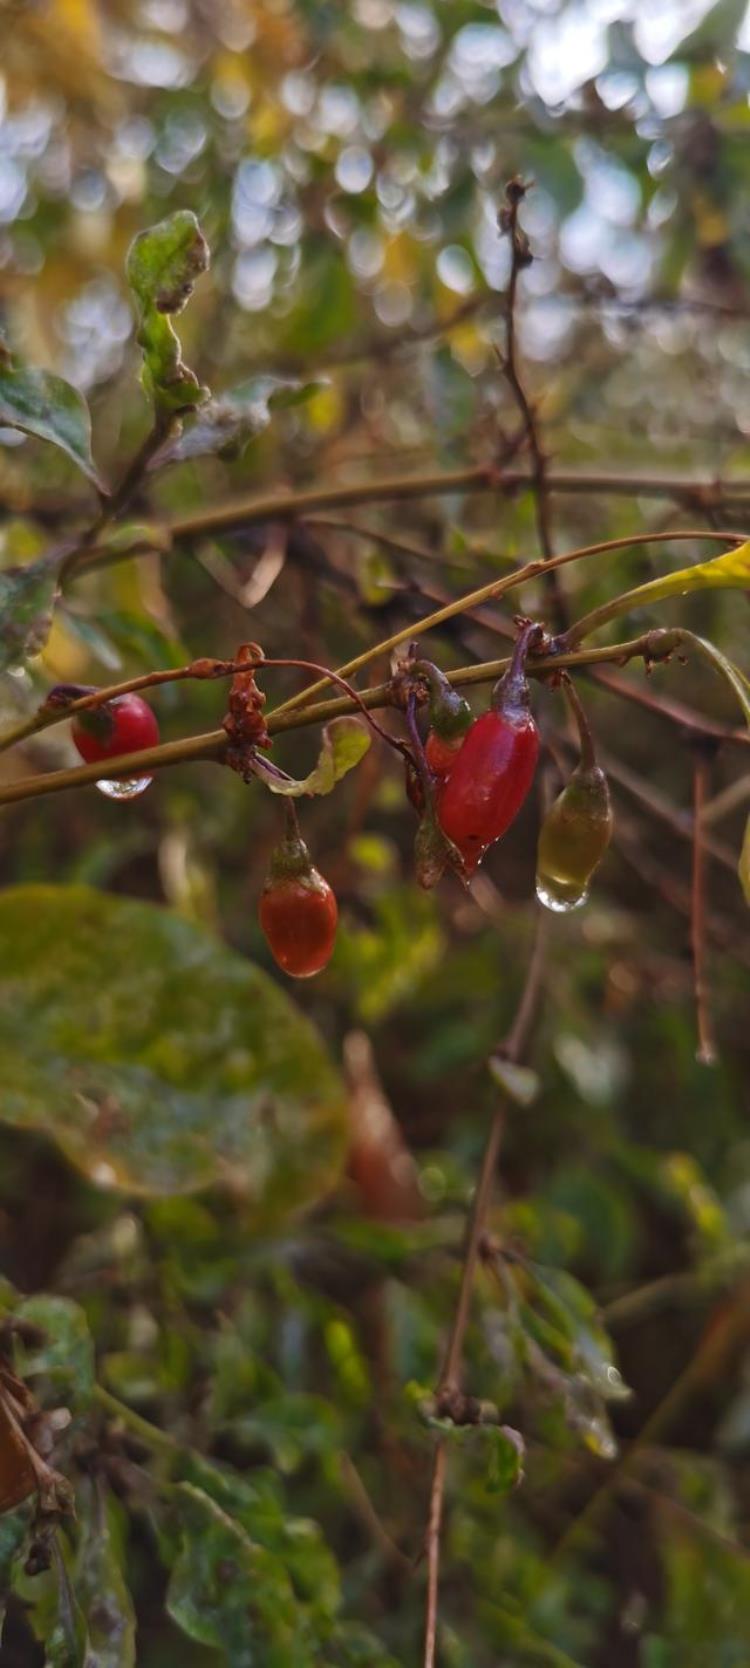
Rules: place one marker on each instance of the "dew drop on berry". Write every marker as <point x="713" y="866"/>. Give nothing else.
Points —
<point x="560" y="895"/>
<point x="128" y="788"/>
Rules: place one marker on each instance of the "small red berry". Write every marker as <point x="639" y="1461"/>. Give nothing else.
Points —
<point x="123" y="725"/>
<point x="298" y="912"/>
<point x="494" y="768"/>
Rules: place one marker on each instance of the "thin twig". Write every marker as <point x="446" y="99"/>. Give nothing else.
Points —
<point x="522" y="257"/>
<point x="495" y="588"/>
<point x="706" y="1046"/>
<point x="449" y="1380"/>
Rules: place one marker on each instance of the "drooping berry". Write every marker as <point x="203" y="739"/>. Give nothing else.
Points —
<point x="494" y="767"/>
<point x="123" y="725"/>
<point x="298" y="912"/>
<point x="577" y="828"/>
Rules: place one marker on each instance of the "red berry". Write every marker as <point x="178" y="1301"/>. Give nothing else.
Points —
<point x="123" y="725"/>
<point x="495" y="765"/>
<point x="488" y="783"/>
<point x="298" y="912"/>
<point x="441" y="754"/>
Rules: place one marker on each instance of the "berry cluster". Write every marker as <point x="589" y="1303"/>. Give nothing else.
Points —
<point x="467" y="782"/>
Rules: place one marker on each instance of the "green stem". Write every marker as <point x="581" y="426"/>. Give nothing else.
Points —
<point x="149" y="1434"/>
<point x="585" y="736"/>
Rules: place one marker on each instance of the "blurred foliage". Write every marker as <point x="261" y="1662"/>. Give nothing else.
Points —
<point x="232" y="1384"/>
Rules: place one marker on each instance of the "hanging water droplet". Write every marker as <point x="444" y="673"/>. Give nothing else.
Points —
<point x="128" y="787"/>
<point x="558" y="894"/>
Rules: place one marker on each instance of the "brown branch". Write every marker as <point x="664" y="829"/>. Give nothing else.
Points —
<point x="449" y="1380"/>
<point x="701" y="771"/>
<point x="113" y="506"/>
<point x="495" y="589"/>
<point x="287" y="504"/>
<point x="211" y="746"/>
<point x="521" y="257"/>
<point x="673" y="711"/>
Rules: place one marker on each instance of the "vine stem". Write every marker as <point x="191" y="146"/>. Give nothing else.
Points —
<point x="497" y="588"/>
<point x="521" y="257"/>
<point x="513" y="1049"/>
<point x="706" y="1053"/>
<point x="201" y="668"/>
<point x="287" y="505"/>
<point x="211" y="746"/>
<point x="585" y="734"/>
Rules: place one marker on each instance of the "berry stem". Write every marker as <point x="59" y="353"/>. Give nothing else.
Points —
<point x="585" y="734"/>
<point x="511" y="693"/>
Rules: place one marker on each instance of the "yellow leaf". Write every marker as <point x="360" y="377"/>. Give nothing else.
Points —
<point x="744" y="864"/>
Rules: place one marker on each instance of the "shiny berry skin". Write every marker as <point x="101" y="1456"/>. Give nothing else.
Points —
<point x="124" y="725"/>
<point x="495" y="765"/>
<point x="488" y="784"/>
<point x="298" y="912"/>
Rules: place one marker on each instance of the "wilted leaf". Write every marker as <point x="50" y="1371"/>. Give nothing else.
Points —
<point x="344" y="742"/>
<point x="235" y="417"/>
<point x="38" y="403"/>
<point x="162" y="1062"/>
<point x="27" y="600"/>
<point x="17" y="1480"/>
<point x="226" y="1590"/>
<point x="162" y="266"/>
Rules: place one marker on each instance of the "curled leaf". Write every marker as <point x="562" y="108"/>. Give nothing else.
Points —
<point x="162" y="266"/>
<point x="344" y="742"/>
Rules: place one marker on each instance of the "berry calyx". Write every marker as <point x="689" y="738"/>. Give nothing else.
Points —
<point x="494" y="767"/>
<point x="123" y="725"/>
<point x="298" y="912"/>
<point x="450" y="716"/>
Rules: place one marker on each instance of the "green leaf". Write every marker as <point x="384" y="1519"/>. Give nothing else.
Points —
<point x="162" y="1062"/>
<point x="38" y="403"/>
<point x="162" y="266"/>
<point x="102" y="1592"/>
<point x="226" y="1590"/>
<point x="344" y="742"/>
<point x="505" y="1460"/>
<point x="27" y="600"/>
<point x="227" y="422"/>
<point x="67" y="1354"/>
<point x="292" y="1426"/>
